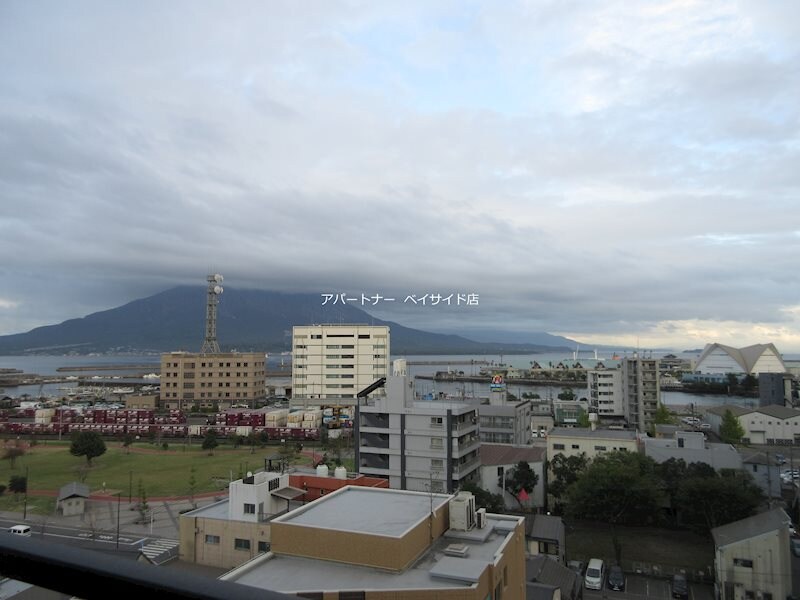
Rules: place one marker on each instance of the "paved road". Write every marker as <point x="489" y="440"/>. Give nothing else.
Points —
<point x="641" y="586"/>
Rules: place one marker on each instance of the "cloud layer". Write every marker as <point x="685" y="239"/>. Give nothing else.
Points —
<point x="606" y="171"/>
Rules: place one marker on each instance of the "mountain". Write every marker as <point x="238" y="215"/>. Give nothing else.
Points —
<point x="246" y="320"/>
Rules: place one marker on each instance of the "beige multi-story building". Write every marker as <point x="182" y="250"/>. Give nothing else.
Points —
<point x="434" y="546"/>
<point x="641" y="392"/>
<point x="337" y="361"/>
<point x="574" y="441"/>
<point x="217" y="380"/>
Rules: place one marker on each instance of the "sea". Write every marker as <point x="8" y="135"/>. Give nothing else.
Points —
<point x="469" y="364"/>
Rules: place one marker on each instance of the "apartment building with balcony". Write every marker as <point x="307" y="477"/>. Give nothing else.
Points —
<point x="337" y="361"/>
<point x="604" y="392"/>
<point x="216" y="380"/>
<point x="417" y="445"/>
<point x="641" y="392"/>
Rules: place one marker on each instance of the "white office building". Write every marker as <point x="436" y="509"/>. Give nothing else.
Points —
<point x="337" y="361"/>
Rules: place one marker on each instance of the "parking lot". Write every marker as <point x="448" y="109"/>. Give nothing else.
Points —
<point x="641" y="586"/>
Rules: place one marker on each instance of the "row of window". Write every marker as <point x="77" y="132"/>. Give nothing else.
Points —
<point x="597" y="448"/>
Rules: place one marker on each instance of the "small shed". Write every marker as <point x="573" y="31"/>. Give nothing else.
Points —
<point x="72" y="498"/>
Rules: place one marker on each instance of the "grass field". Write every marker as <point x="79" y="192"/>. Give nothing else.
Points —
<point x="162" y="473"/>
<point x="649" y="545"/>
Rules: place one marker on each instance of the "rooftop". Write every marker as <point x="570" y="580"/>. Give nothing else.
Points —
<point x="604" y="434"/>
<point x="750" y="527"/>
<point x="737" y="411"/>
<point x="507" y="454"/>
<point x="358" y="509"/>
<point x="433" y="570"/>
<point x="545" y="527"/>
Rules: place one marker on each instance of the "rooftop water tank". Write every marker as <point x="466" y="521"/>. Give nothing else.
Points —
<point x="322" y="471"/>
<point x="340" y="473"/>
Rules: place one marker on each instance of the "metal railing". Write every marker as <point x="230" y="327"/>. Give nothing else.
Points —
<point x="89" y="574"/>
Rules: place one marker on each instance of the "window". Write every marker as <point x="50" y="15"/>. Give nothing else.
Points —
<point x="600" y="448"/>
<point x="575" y="446"/>
<point x="558" y="446"/>
<point x="240" y="544"/>
<point x="437" y="463"/>
<point x="273" y="484"/>
<point x="212" y="539"/>
<point x="363" y="336"/>
<point x="436" y="421"/>
<point x="743" y="562"/>
<point x="437" y="443"/>
<point x="263" y="546"/>
<point x="249" y="509"/>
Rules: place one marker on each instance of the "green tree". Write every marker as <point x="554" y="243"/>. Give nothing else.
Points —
<point x="18" y="484"/>
<point x="210" y="441"/>
<point x="12" y="453"/>
<point x="730" y="430"/>
<point x="583" y="419"/>
<point x="493" y="503"/>
<point x="617" y="487"/>
<point x="565" y="470"/>
<point x="127" y="440"/>
<point x="707" y="501"/>
<point x="566" y="394"/>
<point x="749" y="383"/>
<point x="192" y="484"/>
<point x="88" y="444"/>
<point x="520" y="478"/>
<point x="143" y="507"/>
<point x="663" y="416"/>
<point x="672" y="473"/>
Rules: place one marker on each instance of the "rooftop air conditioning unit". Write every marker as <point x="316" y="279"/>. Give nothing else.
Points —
<point x="481" y="518"/>
<point x="462" y="512"/>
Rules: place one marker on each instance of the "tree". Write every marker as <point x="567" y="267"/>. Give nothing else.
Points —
<point x="565" y="470"/>
<point x="192" y="484"/>
<point x="730" y="431"/>
<point x="12" y="453"/>
<point x="617" y="487"/>
<point x="663" y="416"/>
<point x="583" y="419"/>
<point x="210" y="441"/>
<point x="127" y="440"/>
<point x="88" y="444"/>
<point x="708" y="501"/>
<point x="18" y="484"/>
<point x="566" y="394"/>
<point x="520" y="478"/>
<point x="493" y="503"/>
<point x="143" y="507"/>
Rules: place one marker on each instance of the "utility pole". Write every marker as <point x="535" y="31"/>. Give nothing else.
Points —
<point x="119" y="500"/>
<point x="25" y="506"/>
<point x="130" y="486"/>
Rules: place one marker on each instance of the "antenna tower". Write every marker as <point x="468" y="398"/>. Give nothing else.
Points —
<point x="210" y="345"/>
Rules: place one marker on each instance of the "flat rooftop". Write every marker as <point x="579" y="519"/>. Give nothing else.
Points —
<point x="358" y="509"/>
<point x="433" y="570"/>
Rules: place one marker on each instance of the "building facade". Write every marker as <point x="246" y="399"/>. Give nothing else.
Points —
<point x="752" y="360"/>
<point x="435" y="547"/>
<point x="337" y="361"/>
<point x="752" y="559"/>
<point x="604" y="389"/>
<point x="212" y="380"/>
<point x="417" y="445"/>
<point x="575" y="441"/>
<point x="641" y="392"/>
<point x="506" y="423"/>
<point x="773" y="424"/>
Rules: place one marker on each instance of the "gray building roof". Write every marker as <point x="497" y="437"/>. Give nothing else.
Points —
<point x="746" y="357"/>
<point x="543" y="570"/>
<point x="778" y="411"/>
<point x="600" y="434"/>
<point x="507" y="454"/>
<point x="750" y="527"/>
<point x="737" y="411"/>
<point x="73" y="489"/>
<point x="545" y="527"/>
<point x="759" y="458"/>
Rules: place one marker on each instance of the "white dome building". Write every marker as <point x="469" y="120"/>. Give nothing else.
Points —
<point x="752" y="360"/>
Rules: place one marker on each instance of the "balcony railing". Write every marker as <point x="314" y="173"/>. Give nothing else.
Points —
<point x="92" y="575"/>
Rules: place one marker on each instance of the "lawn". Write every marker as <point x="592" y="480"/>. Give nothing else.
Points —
<point x="642" y="547"/>
<point x="162" y="473"/>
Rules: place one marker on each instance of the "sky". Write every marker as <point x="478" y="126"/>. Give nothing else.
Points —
<point x="619" y="173"/>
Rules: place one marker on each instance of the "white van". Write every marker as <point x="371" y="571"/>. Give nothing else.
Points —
<point x="20" y="530"/>
<point x="595" y="573"/>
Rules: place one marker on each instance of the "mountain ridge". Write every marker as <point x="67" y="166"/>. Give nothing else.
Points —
<point x="174" y="319"/>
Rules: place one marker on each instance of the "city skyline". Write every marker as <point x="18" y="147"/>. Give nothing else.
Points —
<point x="616" y="174"/>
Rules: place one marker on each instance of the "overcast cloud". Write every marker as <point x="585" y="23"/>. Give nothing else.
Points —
<point x="608" y="171"/>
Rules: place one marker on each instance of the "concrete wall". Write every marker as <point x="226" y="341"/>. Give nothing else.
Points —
<point x="195" y="548"/>
<point x="771" y="565"/>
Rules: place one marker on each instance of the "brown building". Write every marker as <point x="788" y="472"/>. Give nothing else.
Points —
<point x="216" y="381"/>
<point x="433" y="546"/>
<point x="227" y="533"/>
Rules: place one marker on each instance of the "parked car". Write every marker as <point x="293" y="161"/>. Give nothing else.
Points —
<point x="616" y="579"/>
<point x="595" y="573"/>
<point x="704" y="425"/>
<point x="680" y="587"/>
<point x="577" y="566"/>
